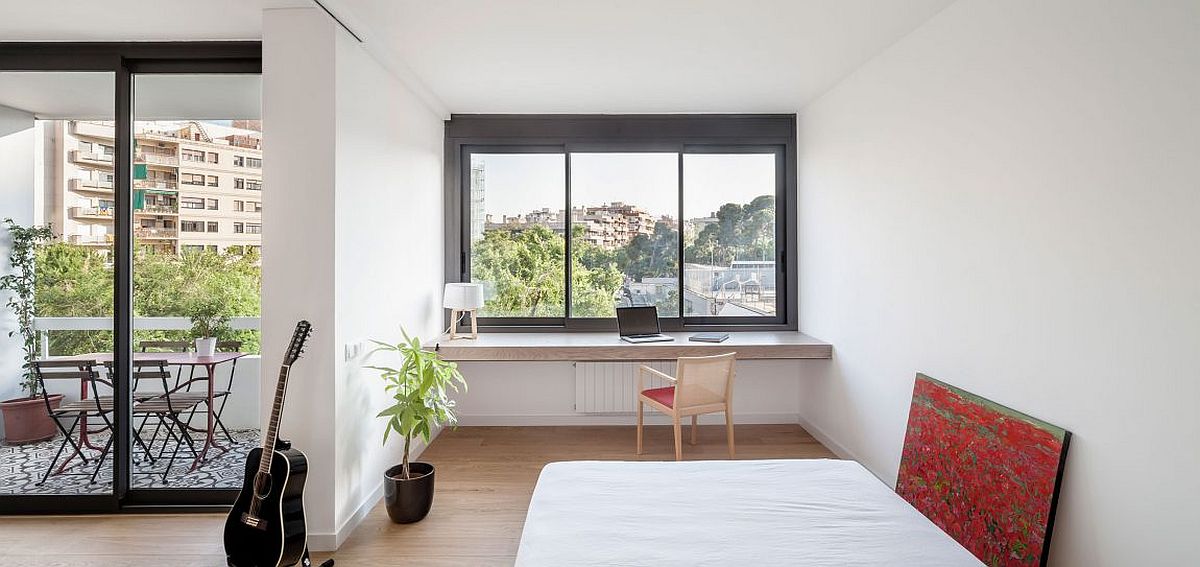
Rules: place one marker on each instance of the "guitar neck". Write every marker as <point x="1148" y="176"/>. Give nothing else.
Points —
<point x="271" y="435"/>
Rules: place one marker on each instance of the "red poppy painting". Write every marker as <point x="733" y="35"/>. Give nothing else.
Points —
<point x="986" y="474"/>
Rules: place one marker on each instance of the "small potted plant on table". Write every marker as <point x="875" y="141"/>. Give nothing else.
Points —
<point x="208" y="322"/>
<point x="25" y="419"/>
<point x="420" y="391"/>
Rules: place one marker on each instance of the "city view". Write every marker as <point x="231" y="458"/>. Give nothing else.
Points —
<point x="624" y="252"/>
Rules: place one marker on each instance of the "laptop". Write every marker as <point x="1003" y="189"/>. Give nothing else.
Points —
<point x="640" y="325"/>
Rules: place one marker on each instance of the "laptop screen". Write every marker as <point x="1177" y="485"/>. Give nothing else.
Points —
<point x="637" y="320"/>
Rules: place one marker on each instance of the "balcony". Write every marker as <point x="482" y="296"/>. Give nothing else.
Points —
<point x="155" y="159"/>
<point x="91" y="240"/>
<point x="155" y="184"/>
<point x="155" y="233"/>
<point x="158" y="210"/>
<point x="92" y="186"/>
<point x="91" y="213"/>
<point x="92" y="129"/>
<point x="89" y="158"/>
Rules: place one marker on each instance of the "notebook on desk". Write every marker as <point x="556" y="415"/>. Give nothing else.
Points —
<point x="640" y="325"/>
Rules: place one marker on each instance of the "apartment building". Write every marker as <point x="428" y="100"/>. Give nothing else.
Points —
<point x="611" y="225"/>
<point x="197" y="186"/>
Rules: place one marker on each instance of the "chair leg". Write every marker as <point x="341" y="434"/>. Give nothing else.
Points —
<point x="729" y="430"/>
<point x="639" y="428"/>
<point x="66" y="439"/>
<point x="678" y="439"/>
<point x="103" y="454"/>
<point x="693" y="440"/>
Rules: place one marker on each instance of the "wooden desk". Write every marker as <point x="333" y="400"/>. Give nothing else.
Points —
<point x="498" y="347"/>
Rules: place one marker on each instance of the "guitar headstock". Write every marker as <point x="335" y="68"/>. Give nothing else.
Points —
<point x="296" y="347"/>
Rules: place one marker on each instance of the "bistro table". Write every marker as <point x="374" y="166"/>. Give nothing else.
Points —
<point x="181" y="359"/>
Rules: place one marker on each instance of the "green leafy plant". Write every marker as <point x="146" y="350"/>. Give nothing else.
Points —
<point x="208" y="317"/>
<point x="420" y="390"/>
<point x="25" y="241"/>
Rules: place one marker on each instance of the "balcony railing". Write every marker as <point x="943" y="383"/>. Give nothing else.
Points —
<point x="155" y="184"/>
<point x="158" y="210"/>
<point x="156" y="159"/>
<point x="153" y="233"/>
<point x="90" y="213"/>
<point x="80" y="156"/>
<point x="92" y="185"/>
<point x="92" y="129"/>
<point x="91" y="239"/>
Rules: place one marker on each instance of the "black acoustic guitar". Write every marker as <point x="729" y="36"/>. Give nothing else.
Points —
<point x="266" y="527"/>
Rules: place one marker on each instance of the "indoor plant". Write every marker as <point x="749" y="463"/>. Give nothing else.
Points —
<point x="421" y="402"/>
<point x="25" y="419"/>
<point x="208" y="321"/>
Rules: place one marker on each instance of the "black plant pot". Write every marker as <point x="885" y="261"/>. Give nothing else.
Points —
<point x="409" y="500"/>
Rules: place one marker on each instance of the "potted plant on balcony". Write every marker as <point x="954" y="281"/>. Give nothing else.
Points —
<point x="420" y="393"/>
<point x="25" y="418"/>
<point x="208" y="322"/>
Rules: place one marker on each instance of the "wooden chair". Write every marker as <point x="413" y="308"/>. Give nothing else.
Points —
<point x="702" y="384"/>
<point x="166" y="407"/>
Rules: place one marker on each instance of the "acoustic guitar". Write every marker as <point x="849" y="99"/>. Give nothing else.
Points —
<point x="266" y="527"/>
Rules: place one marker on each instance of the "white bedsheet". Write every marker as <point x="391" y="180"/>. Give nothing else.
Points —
<point x="752" y="513"/>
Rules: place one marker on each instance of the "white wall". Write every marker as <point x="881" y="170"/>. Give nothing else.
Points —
<point x="298" y="238"/>
<point x="351" y="240"/>
<point x="1007" y="200"/>
<point x="543" y="393"/>
<point x="389" y="255"/>
<point x="16" y="202"/>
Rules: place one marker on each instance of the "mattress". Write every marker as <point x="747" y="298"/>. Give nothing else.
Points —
<point x="775" y="512"/>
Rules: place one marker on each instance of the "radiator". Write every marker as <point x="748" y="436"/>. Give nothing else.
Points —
<point x="611" y="387"/>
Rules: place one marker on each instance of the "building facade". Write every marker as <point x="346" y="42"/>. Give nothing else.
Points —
<point x="197" y="186"/>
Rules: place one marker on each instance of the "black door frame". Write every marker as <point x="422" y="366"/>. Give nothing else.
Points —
<point x="124" y="60"/>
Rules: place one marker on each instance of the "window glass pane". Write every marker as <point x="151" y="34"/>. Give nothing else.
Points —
<point x="195" y="280"/>
<point x="57" y="186"/>
<point x="729" y="235"/>
<point x="516" y="233"/>
<point x="625" y="237"/>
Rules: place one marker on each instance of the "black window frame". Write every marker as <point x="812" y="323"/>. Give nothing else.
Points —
<point x="125" y="60"/>
<point x="682" y="134"/>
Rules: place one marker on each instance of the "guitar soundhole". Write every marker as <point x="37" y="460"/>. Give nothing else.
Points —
<point x="262" y="485"/>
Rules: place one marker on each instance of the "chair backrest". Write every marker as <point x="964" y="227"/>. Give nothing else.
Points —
<point x="163" y="346"/>
<point x="145" y="369"/>
<point x="229" y="346"/>
<point x="75" y="370"/>
<point x="704" y="380"/>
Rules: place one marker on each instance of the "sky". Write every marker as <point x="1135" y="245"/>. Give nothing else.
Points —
<point x="518" y="183"/>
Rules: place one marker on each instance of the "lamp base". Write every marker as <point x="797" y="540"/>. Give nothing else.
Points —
<point x="455" y="315"/>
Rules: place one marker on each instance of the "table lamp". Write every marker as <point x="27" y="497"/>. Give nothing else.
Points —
<point x="462" y="298"/>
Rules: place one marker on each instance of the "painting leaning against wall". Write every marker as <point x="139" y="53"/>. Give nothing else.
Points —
<point x="986" y="474"/>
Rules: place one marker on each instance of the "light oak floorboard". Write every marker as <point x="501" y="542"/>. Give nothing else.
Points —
<point x="485" y="477"/>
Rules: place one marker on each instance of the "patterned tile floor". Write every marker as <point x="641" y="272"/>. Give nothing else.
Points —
<point x="22" y="466"/>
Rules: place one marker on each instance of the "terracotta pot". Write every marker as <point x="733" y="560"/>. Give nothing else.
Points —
<point x="26" y="421"/>
<point x="408" y="501"/>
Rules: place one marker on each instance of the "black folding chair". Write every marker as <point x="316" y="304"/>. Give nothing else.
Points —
<point x="78" y="411"/>
<point x="166" y="407"/>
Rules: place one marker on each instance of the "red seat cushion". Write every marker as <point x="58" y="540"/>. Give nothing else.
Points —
<point x="664" y="396"/>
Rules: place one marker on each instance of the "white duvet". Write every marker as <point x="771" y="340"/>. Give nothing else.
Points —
<point x="753" y="513"/>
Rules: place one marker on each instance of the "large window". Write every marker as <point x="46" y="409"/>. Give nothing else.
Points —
<point x="685" y="213"/>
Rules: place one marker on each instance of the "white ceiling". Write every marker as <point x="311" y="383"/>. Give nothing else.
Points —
<point x="550" y="56"/>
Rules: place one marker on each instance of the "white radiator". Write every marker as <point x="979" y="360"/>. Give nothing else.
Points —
<point x="611" y="387"/>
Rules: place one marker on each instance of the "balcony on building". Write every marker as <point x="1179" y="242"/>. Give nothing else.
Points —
<point x="155" y="158"/>
<point x="91" y="213"/>
<point x="92" y="186"/>
<point x="90" y="158"/>
<point x="155" y="233"/>
<point x="91" y="239"/>
<point x="92" y="129"/>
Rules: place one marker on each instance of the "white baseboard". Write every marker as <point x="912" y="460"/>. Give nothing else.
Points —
<point x="615" y="419"/>
<point x="332" y="541"/>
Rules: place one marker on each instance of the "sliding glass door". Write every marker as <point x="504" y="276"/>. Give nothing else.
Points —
<point x="57" y="186"/>
<point x="106" y="150"/>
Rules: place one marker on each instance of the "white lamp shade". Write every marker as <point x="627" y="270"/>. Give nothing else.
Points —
<point x="463" y="296"/>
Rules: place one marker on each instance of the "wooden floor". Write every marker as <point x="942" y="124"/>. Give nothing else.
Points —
<point x="485" y="477"/>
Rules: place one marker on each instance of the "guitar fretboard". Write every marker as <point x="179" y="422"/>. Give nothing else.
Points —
<point x="272" y="433"/>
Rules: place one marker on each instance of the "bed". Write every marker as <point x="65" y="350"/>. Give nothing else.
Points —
<point x="773" y="512"/>
<point x="976" y="480"/>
